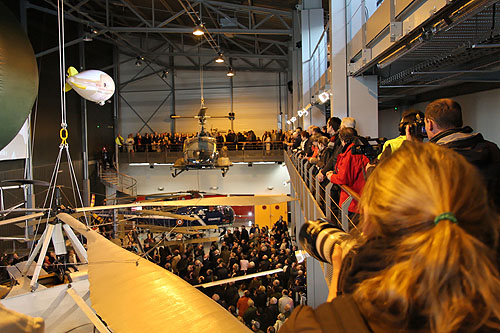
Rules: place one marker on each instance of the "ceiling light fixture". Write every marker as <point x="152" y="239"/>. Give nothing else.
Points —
<point x="220" y="58"/>
<point x="87" y="37"/>
<point x="138" y="61"/>
<point x="230" y="72"/>
<point x="198" y="30"/>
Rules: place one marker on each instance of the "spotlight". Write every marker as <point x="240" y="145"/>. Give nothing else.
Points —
<point x="288" y="122"/>
<point x="94" y="31"/>
<point x="323" y="97"/>
<point x="164" y="74"/>
<point x="300" y="113"/>
<point x="294" y="119"/>
<point x="220" y="58"/>
<point x="198" y="30"/>
<point x="230" y="72"/>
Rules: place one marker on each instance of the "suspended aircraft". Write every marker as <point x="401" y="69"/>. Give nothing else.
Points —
<point x="93" y="85"/>
<point x="200" y="152"/>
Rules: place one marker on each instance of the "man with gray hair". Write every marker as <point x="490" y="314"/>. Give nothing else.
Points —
<point x="347" y="122"/>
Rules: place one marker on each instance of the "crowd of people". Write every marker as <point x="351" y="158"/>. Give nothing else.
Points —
<point x="330" y="149"/>
<point x="262" y="303"/>
<point x="426" y="257"/>
<point x="158" y="142"/>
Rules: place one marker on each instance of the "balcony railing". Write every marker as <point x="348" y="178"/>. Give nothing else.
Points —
<point x="317" y="200"/>
<point x="253" y="151"/>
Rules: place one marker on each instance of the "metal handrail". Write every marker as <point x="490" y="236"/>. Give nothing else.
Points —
<point x="274" y="145"/>
<point x="124" y="183"/>
<point x="355" y="195"/>
<point x="313" y="187"/>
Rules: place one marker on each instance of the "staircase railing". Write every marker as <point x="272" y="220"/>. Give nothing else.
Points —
<point x="117" y="180"/>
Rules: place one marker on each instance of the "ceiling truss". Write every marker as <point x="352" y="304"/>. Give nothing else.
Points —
<point x="258" y="36"/>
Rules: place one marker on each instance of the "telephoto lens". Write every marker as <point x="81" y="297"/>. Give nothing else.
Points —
<point x="319" y="237"/>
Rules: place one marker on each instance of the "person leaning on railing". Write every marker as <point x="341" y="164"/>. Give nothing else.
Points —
<point x="427" y="254"/>
<point x="349" y="169"/>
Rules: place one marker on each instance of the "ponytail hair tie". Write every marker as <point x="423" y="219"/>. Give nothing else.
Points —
<point x="445" y="216"/>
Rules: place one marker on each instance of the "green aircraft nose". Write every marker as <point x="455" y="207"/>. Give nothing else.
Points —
<point x="18" y="76"/>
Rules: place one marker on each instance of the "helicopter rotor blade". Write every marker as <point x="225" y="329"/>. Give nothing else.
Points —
<point x="21" y="218"/>
<point x="214" y="201"/>
<point x="167" y="214"/>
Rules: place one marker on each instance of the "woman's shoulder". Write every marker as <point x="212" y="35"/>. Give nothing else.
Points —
<point x="340" y="315"/>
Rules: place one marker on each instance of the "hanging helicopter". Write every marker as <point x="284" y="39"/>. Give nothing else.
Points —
<point x="200" y="152"/>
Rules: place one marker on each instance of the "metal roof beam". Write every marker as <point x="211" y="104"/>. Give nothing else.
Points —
<point x="228" y="55"/>
<point x="248" y="8"/>
<point x="223" y="14"/>
<point x="173" y="17"/>
<point x="263" y="40"/>
<point x="212" y="31"/>
<point x="136" y="12"/>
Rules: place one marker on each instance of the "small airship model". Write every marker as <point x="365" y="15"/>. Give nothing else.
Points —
<point x="200" y="152"/>
<point x="93" y="85"/>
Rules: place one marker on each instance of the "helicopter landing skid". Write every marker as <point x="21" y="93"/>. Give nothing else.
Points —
<point x="178" y="172"/>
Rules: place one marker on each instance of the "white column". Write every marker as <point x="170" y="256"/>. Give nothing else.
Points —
<point x="363" y="104"/>
<point x="312" y="26"/>
<point x="338" y="59"/>
<point x="355" y="97"/>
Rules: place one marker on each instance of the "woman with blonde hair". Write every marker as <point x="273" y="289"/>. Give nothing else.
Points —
<point x="427" y="255"/>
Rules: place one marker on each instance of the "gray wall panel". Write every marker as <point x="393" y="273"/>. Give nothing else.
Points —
<point x="256" y="99"/>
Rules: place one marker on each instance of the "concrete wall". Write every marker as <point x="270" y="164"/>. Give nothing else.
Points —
<point x="241" y="179"/>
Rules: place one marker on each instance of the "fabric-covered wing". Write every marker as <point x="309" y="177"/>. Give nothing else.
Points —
<point x="132" y="294"/>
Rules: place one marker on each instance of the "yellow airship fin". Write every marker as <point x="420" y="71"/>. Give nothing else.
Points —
<point x="72" y="72"/>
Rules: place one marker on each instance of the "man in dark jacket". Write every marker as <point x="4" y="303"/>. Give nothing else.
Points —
<point x="443" y="123"/>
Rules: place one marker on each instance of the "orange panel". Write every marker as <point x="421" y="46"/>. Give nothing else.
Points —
<point x="267" y="215"/>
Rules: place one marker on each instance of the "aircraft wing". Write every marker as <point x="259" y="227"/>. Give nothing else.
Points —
<point x="247" y="200"/>
<point x="132" y="294"/>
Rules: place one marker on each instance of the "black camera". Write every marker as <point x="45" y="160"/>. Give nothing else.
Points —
<point x="417" y="126"/>
<point x="319" y="237"/>
<point x="369" y="147"/>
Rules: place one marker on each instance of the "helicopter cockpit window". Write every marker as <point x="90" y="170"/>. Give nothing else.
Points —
<point x="200" y="150"/>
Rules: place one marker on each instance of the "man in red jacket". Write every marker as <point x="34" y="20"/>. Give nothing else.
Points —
<point x="349" y="169"/>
